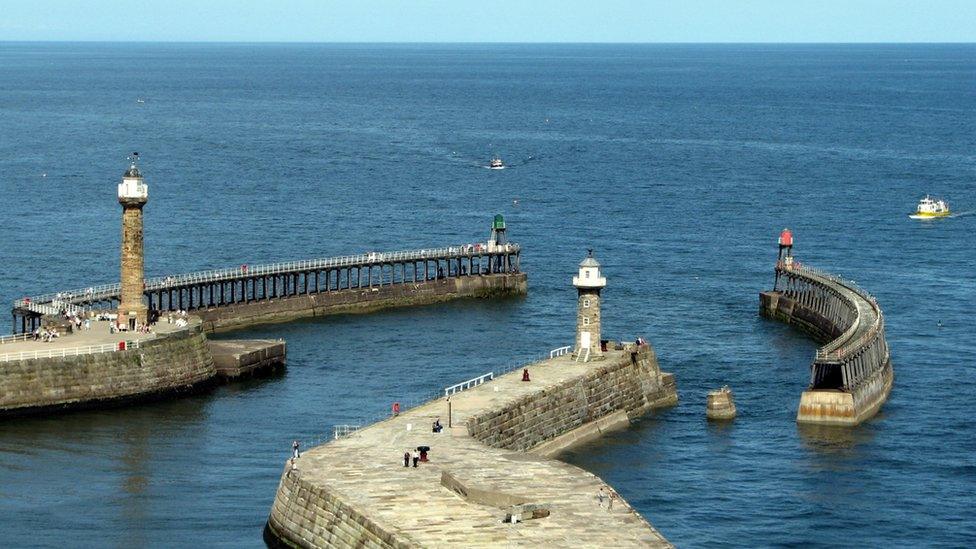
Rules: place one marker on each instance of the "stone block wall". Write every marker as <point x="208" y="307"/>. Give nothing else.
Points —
<point x="363" y="300"/>
<point x="312" y="516"/>
<point x="172" y="363"/>
<point x="633" y="384"/>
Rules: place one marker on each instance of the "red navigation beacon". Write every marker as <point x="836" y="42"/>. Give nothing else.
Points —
<point x="786" y="239"/>
<point x="785" y="243"/>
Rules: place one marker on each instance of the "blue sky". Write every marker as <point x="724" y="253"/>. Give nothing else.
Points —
<point x="491" y="21"/>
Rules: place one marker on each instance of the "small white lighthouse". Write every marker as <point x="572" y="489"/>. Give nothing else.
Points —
<point x="588" y="283"/>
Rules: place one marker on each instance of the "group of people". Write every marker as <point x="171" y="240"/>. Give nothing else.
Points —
<point x="178" y="318"/>
<point x="76" y="321"/>
<point x="45" y="334"/>
<point x="411" y="455"/>
<point x="118" y="327"/>
<point x="605" y="497"/>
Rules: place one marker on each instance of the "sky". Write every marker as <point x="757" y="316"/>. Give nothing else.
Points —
<point x="489" y="21"/>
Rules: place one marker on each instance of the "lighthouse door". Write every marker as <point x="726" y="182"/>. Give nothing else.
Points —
<point x="584" y="340"/>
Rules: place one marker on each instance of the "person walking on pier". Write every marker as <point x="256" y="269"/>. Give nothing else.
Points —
<point x="295" y="453"/>
<point x="416" y="457"/>
<point x="406" y="458"/>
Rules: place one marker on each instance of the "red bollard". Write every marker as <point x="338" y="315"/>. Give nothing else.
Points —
<point x="525" y="374"/>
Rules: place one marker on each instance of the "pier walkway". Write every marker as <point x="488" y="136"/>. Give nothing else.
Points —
<point x="209" y="290"/>
<point x="97" y="339"/>
<point x="462" y="495"/>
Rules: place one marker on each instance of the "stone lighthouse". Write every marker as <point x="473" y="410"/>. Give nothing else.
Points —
<point x="133" y="195"/>
<point x="588" y="283"/>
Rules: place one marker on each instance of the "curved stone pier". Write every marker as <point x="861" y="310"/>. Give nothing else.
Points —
<point x="492" y="464"/>
<point x="171" y="362"/>
<point x="851" y="375"/>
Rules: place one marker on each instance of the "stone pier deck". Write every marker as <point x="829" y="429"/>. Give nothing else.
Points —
<point x="99" y="334"/>
<point x="355" y="490"/>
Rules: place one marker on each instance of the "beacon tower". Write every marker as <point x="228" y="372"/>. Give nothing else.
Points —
<point x="588" y="284"/>
<point x="497" y="239"/>
<point x="497" y="243"/>
<point x="133" y="195"/>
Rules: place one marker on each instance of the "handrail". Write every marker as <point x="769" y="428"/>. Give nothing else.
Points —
<point x="105" y="291"/>
<point x="15" y="338"/>
<point x="474" y="382"/>
<point x="421" y="400"/>
<point x="559" y="351"/>
<point x="70" y="351"/>
<point x="842" y="347"/>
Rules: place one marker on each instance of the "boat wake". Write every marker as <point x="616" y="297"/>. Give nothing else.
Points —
<point x="963" y="214"/>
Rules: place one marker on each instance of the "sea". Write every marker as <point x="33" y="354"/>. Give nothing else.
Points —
<point x="678" y="165"/>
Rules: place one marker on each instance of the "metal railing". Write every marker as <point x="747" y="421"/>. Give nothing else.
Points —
<point x="474" y="382"/>
<point x="560" y="351"/>
<point x="339" y="431"/>
<point x="107" y="291"/>
<point x="842" y="347"/>
<point x="15" y="338"/>
<point x="70" y="351"/>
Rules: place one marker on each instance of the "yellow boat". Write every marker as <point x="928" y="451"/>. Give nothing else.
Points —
<point x="930" y="208"/>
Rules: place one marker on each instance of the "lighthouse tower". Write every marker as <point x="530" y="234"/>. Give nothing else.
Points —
<point x="133" y="195"/>
<point x="588" y="284"/>
<point x="497" y="240"/>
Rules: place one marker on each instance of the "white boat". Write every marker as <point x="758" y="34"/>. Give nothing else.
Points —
<point x="496" y="164"/>
<point x="931" y="208"/>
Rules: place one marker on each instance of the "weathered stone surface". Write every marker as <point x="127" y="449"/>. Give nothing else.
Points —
<point x="354" y="492"/>
<point x="588" y="319"/>
<point x="172" y="362"/>
<point x="132" y="262"/>
<point x="362" y="300"/>
<point x="236" y="358"/>
<point x="720" y="404"/>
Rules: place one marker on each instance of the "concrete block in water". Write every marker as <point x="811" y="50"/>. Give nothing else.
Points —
<point x="238" y="358"/>
<point x="720" y="404"/>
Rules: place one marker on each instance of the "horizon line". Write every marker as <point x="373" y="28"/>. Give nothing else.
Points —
<point x="392" y="42"/>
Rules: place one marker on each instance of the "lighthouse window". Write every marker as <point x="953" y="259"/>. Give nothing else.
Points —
<point x="586" y="303"/>
<point x="586" y="321"/>
<point x="586" y="274"/>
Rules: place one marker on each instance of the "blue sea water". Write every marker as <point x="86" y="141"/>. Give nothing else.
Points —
<point x="677" y="164"/>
